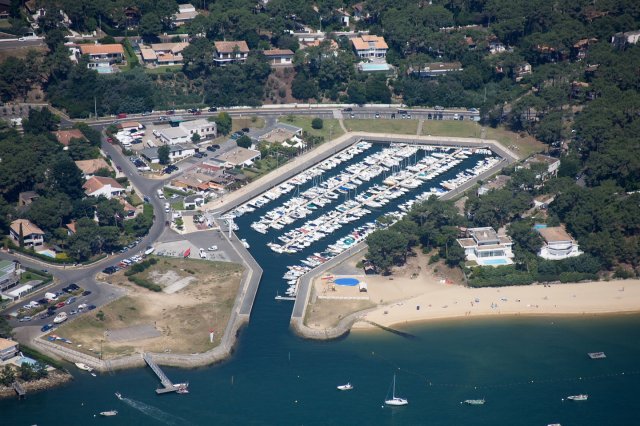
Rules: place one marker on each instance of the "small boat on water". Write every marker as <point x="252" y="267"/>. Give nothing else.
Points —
<point x="109" y="413"/>
<point x="473" y="401"/>
<point x="395" y="400"/>
<point x="119" y="395"/>
<point x="83" y="366"/>
<point x="597" y="355"/>
<point x="581" y="397"/>
<point x="346" y="387"/>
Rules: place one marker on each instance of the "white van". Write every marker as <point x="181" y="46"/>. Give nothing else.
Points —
<point x="160" y="194"/>
<point x="50" y="296"/>
<point x="167" y="207"/>
<point x="156" y="133"/>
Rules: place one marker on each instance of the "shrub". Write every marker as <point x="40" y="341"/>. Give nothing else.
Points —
<point x="145" y="283"/>
<point x="317" y="123"/>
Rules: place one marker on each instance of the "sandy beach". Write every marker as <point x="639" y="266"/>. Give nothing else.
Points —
<point x="441" y="301"/>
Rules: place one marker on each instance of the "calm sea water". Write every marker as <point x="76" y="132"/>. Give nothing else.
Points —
<point x="523" y="367"/>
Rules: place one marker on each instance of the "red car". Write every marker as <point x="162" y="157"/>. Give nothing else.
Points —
<point x="122" y="115"/>
<point x="60" y="305"/>
<point x="197" y="113"/>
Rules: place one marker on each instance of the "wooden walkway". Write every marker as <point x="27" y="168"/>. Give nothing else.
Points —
<point x="19" y="390"/>
<point x="168" y="386"/>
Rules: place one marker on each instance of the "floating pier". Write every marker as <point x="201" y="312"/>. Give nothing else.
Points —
<point x="168" y="386"/>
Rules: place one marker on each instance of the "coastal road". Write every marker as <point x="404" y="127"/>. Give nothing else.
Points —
<point x="14" y="43"/>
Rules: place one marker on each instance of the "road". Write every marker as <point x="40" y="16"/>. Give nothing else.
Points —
<point x="11" y="44"/>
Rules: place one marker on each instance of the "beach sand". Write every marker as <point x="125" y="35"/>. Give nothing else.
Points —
<point x="440" y="301"/>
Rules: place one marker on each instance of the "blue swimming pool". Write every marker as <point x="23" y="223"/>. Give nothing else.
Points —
<point x="539" y="226"/>
<point x="374" y="67"/>
<point x="495" y="262"/>
<point x="347" y="281"/>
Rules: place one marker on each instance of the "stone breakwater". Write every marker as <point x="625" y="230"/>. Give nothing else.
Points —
<point x="56" y="378"/>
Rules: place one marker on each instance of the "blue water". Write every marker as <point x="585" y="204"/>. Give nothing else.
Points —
<point x="539" y="226"/>
<point x="347" y="281"/>
<point x="374" y="67"/>
<point x="523" y="367"/>
<point x="494" y="262"/>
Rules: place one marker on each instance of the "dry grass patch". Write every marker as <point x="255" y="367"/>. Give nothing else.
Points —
<point x="402" y="127"/>
<point x="183" y="318"/>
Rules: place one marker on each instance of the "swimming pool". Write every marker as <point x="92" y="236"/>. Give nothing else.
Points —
<point x="347" y="281"/>
<point x="374" y="67"/>
<point x="539" y="226"/>
<point x="494" y="262"/>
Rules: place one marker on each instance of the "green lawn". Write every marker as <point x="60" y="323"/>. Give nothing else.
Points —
<point x="240" y="123"/>
<point x="163" y="70"/>
<point x="403" y="127"/>
<point x="523" y="146"/>
<point x="330" y="130"/>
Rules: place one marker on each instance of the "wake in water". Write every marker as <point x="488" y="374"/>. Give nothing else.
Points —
<point x="156" y="413"/>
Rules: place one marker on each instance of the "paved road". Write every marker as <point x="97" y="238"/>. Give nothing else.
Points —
<point x="11" y="44"/>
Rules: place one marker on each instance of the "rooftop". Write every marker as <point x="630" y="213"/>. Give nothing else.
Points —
<point x="229" y="46"/>
<point x="277" y="52"/>
<point x="65" y="136"/>
<point x="97" y="182"/>
<point x="101" y="49"/>
<point x="173" y="133"/>
<point x="483" y="235"/>
<point x="554" y="234"/>
<point x="238" y="155"/>
<point x="6" y="344"/>
<point x="368" y="41"/>
<point x="28" y="228"/>
<point x="196" y="124"/>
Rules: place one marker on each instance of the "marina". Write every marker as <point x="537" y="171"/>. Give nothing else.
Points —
<point x="342" y="197"/>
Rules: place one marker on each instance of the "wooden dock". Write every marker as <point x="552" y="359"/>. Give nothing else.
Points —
<point x="168" y="386"/>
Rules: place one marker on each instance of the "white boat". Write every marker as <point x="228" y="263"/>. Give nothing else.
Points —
<point x="581" y="397"/>
<point x="109" y="413"/>
<point x="60" y="318"/>
<point x="597" y="355"/>
<point x="346" y="387"/>
<point x="473" y="401"/>
<point x="395" y="400"/>
<point x="83" y="366"/>
<point x="119" y="395"/>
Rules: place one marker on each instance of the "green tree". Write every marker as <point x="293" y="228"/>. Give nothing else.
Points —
<point x="317" y="123"/>
<point x="195" y="138"/>
<point x="40" y="121"/>
<point x="244" y="141"/>
<point x="150" y="26"/>
<point x="386" y="248"/>
<point x="163" y="154"/>
<point x="223" y="123"/>
<point x="7" y="375"/>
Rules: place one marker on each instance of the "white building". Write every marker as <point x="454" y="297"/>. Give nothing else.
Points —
<point x="9" y="275"/>
<point x="8" y="349"/>
<point x="99" y="185"/>
<point x="227" y="52"/>
<point x="186" y="12"/>
<point x="370" y="46"/>
<point x="486" y="247"/>
<point x="176" y="152"/>
<point x="558" y="244"/>
<point x="174" y="135"/>
<point x="203" y="127"/>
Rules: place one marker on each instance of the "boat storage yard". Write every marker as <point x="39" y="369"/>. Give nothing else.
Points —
<point x="333" y="205"/>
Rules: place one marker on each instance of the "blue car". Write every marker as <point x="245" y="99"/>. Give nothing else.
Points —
<point x="46" y="327"/>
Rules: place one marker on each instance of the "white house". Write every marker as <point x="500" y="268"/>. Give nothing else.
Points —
<point x="103" y="53"/>
<point x="239" y="157"/>
<point x="279" y="57"/>
<point x="32" y="236"/>
<point x="369" y="46"/>
<point x="203" y="127"/>
<point x="558" y="244"/>
<point x="9" y="274"/>
<point x="174" y="135"/>
<point x="8" y="349"/>
<point x="176" y="152"/>
<point x="230" y="51"/>
<point x="193" y="201"/>
<point x="186" y="12"/>
<point x="98" y="185"/>
<point x="486" y="247"/>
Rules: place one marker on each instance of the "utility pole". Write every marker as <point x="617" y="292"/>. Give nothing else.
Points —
<point x="95" y="108"/>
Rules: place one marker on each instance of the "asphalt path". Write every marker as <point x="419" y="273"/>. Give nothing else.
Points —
<point x="12" y="44"/>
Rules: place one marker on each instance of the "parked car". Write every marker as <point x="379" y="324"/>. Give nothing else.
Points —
<point x="25" y="319"/>
<point x="216" y="146"/>
<point x="122" y="115"/>
<point x="73" y="312"/>
<point x="86" y="292"/>
<point x="212" y="109"/>
<point x="60" y="305"/>
<point x="348" y="109"/>
<point x="438" y="108"/>
<point x="71" y="300"/>
<point x="91" y="307"/>
<point x="211" y="148"/>
<point x="171" y="112"/>
<point x="246" y="129"/>
<point x="203" y="254"/>
<point x="46" y="327"/>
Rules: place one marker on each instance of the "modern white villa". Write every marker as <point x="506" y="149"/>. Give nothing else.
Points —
<point x="558" y="244"/>
<point x="485" y="247"/>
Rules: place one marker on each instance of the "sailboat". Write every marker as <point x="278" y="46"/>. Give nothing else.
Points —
<point x="395" y="400"/>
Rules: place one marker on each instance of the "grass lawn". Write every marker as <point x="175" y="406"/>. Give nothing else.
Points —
<point x="404" y="127"/>
<point x="250" y="122"/>
<point x="163" y="70"/>
<point x="30" y="276"/>
<point x="183" y="318"/>
<point x="468" y="129"/>
<point x="330" y="130"/>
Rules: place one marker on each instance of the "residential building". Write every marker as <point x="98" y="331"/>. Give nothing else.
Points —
<point x="552" y="163"/>
<point x="27" y="197"/>
<point x="279" y="57"/>
<point x="9" y="274"/>
<point x="129" y="210"/>
<point x="193" y="181"/>
<point x="106" y="186"/>
<point x="581" y="47"/>
<point x="542" y="201"/>
<point x="359" y="12"/>
<point x="486" y="248"/>
<point x="32" y="236"/>
<point x="176" y="152"/>
<point x="369" y="46"/>
<point x="227" y="52"/>
<point x="90" y="167"/>
<point x="558" y="244"/>
<point x="620" y="40"/>
<point x="8" y="349"/>
<point x="65" y="136"/>
<point x="203" y="127"/>
<point x="239" y="157"/>
<point x="193" y="201"/>
<point x="496" y="47"/>
<point x="163" y="54"/>
<point x="103" y="53"/>
<point x="129" y="126"/>
<point x="521" y="70"/>
<point x="279" y="132"/>
<point x="436" y="69"/>
<point x="498" y="182"/>
<point x="72" y="227"/>
<point x="186" y="12"/>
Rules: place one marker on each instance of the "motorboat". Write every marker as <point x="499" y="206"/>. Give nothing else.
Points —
<point x="473" y="401"/>
<point x="83" y="366"/>
<point x="581" y="397"/>
<point x="109" y="413"/>
<point x="119" y="395"/>
<point x="345" y="387"/>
